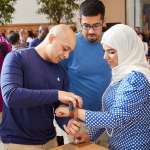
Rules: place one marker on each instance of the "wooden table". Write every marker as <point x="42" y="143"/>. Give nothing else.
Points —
<point x="85" y="146"/>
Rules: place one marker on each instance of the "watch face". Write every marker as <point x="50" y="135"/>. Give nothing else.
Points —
<point x="71" y="110"/>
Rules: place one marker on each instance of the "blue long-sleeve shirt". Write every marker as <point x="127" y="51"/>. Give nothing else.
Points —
<point x="30" y="92"/>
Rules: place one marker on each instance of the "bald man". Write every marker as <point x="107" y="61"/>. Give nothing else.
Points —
<point x="33" y="85"/>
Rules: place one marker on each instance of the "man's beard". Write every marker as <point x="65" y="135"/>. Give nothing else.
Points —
<point x="92" y="38"/>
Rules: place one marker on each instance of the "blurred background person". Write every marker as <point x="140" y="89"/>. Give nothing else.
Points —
<point x="42" y="32"/>
<point x="5" y="48"/>
<point x="30" y="37"/>
<point x="14" y="40"/>
<point x="23" y="38"/>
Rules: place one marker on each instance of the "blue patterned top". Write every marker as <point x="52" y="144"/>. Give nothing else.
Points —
<point x="126" y="115"/>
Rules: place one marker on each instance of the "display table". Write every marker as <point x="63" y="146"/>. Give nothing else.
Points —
<point x="85" y="146"/>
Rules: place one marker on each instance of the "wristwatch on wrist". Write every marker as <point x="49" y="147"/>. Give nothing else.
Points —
<point x="73" y="111"/>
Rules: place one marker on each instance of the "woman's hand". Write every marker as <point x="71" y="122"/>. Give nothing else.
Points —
<point x="74" y="128"/>
<point x="62" y="111"/>
<point x="81" y="137"/>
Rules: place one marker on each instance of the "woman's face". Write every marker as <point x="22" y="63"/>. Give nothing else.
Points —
<point x="110" y="56"/>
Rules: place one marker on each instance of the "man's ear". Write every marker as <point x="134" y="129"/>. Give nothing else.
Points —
<point x="104" y="25"/>
<point x="51" y="37"/>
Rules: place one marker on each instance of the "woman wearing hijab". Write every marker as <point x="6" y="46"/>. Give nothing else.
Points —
<point x="126" y="102"/>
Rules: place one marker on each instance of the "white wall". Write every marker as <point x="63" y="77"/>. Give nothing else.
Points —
<point x="26" y="12"/>
<point x="130" y="13"/>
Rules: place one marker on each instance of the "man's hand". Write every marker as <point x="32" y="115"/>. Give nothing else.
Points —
<point x="66" y="97"/>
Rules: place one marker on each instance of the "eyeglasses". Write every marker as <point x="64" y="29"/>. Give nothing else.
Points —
<point x="95" y="26"/>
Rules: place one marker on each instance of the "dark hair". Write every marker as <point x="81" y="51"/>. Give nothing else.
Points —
<point x="73" y="27"/>
<point x="92" y="8"/>
<point x="13" y="38"/>
<point x="31" y="34"/>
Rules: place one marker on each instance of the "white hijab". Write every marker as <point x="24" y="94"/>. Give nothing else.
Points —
<point x="130" y="50"/>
